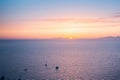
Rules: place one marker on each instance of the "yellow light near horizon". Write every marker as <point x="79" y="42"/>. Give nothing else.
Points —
<point x="48" y="29"/>
<point x="70" y="37"/>
<point x="69" y="30"/>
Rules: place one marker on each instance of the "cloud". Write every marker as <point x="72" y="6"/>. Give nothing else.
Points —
<point x="112" y="20"/>
<point x="96" y="20"/>
<point x="116" y="15"/>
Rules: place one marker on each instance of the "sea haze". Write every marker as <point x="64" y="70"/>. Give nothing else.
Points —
<point x="77" y="59"/>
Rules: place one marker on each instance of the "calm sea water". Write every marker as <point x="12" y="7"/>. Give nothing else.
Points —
<point x="77" y="59"/>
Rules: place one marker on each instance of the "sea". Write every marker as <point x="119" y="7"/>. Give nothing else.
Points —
<point x="74" y="59"/>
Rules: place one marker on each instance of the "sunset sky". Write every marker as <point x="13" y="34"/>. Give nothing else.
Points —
<point x="44" y="19"/>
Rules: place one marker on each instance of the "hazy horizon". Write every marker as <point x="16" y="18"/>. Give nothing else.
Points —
<point x="105" y="37"/>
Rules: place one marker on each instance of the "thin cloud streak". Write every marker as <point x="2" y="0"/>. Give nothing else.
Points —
<point x="114" y="18"/>
<point x="116" y="15"/>
<point x="98" y="20"/>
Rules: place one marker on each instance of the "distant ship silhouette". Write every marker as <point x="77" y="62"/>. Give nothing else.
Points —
<point x="46" y="64"/>
<point x="2" y="78"/>
<point x="57" y="67"/>
<point x="25" y="69"/>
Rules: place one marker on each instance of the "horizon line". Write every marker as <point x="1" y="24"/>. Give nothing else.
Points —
<point x="58" y="38"/>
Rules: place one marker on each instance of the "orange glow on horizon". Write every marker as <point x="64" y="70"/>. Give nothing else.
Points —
<point x="57" y="29"/>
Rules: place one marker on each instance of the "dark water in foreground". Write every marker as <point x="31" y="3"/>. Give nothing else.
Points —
<point x="84" y="60"/>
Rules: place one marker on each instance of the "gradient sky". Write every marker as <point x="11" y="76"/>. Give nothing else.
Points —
<point x="35" y="19"/>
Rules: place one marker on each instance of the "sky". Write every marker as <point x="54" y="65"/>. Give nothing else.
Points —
<point x="44" y="19"/>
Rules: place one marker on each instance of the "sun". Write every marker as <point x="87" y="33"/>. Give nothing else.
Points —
<point x="71" y="37"/>
<point x="69" y="30"/>
<point x="69" y="33"/>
